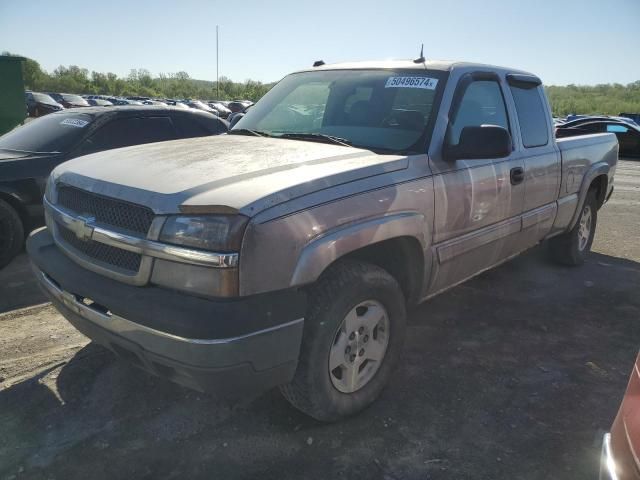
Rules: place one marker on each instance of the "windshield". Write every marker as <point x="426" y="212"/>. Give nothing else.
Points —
<point x="376" y="109"/>
<point x="53" y="133"/>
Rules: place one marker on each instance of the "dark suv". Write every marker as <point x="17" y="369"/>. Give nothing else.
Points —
<point x="29" y="153"/>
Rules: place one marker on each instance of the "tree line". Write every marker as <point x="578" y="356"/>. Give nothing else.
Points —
<point x="139" y="82"/>
<point x="606" y="99"/>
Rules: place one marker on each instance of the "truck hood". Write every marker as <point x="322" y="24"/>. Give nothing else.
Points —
<point x="226" y="173"/>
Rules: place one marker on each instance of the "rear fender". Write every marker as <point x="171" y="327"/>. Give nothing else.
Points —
<point x="597" y="169"/>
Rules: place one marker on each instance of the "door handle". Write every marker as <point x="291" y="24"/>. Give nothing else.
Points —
<point x="517" y="175"/>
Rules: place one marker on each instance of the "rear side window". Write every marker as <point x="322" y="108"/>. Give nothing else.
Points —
<point x="132" y="131"/>
<point x="617" y="129"/>
<point x="531" y="116"/>
<point x="590" y="127"/>
<point x="189" y="126"/>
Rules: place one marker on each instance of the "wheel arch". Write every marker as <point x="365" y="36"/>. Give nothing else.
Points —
<point x="596" y="178"/>
<point x="599" y="184"/>
<point x="394" y="242"/>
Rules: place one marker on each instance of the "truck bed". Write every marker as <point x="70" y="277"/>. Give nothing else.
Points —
<point x="579" y="154"/>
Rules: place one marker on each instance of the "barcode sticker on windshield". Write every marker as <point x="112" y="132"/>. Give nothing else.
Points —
<point x="412" y="82"/>
<point x="74" y="122"/>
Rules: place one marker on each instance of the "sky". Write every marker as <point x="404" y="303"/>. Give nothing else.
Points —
<point x="563" y="41"/>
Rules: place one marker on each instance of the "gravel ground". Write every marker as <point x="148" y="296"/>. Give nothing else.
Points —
<point x="515" y="374"/>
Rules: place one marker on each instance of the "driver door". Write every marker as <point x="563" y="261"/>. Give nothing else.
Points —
<point x="478" y="202"/>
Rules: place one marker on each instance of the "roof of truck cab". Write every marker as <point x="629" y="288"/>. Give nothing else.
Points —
<point x="444" y="65"/>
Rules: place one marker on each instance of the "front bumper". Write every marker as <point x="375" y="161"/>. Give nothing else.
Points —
<point x="225" y="346"/>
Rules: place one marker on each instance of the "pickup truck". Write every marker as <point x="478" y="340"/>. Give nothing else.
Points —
<point x="287" y="252"/>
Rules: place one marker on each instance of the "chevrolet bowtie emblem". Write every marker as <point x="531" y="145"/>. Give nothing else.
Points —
<point x="82" y="227"/>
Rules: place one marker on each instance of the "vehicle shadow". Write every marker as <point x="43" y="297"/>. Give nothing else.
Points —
<point x="18" y="285"/>
<point x="514" y="374"/>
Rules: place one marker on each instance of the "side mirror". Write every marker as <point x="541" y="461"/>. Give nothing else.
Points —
<point x="484" y="141"/>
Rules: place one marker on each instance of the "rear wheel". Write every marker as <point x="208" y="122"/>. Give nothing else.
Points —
<point x="353" y="335"/>
<point x="571" y="248"/>
<point x="11" y="233"/>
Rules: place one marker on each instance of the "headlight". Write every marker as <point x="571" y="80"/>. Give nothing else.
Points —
<point x="221" y="233"/>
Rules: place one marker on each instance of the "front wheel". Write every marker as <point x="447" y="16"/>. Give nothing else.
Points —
<point x="11" y="233"/>
<point x="571" y="248"/>
<point x="353" y="335"/>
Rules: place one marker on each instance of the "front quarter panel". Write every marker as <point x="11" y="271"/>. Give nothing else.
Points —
<point x="293" y="250"/>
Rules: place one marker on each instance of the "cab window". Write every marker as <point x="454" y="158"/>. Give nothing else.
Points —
<point x="532" y="116"/>
<point x="482" y="104"/>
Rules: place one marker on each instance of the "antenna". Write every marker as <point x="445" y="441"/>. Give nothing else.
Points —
<point x="421" y="58"/>
<point x="318" y="63"/>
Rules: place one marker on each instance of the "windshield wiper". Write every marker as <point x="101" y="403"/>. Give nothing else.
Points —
<point x="246" y="131"/>
<point x="318" y="136"/>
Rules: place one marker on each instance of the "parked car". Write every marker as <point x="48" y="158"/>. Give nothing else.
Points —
<point x="573" y="116"/>
<point x="123" y="101"/>
<point x="596" y="118"/>
<point x="620" y="459"/>
<point x="29" y="153"/>
<point x="98" y="102"/>
<point x="153" y="102"/>
<point x="234" y="118"/>
<point x="633" y="116"/>
<point x="201" y="106"/>
<point x="221" y="109"/>
<point x="39" y="104"/>
<point x="236" y="107"/>
<point x="287" y="252"/>
<point x="68" y="100"/>
<point x="127" y="101"/>
<point x="628" y="134"/>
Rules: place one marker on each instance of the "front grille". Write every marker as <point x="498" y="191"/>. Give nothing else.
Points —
<point x="108" y="211"/>
<point x="113" y="256"/>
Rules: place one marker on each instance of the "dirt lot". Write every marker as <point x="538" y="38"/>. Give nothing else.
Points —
<point x="515" y="374"/>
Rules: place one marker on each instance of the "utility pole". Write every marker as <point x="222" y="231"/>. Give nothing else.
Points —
<point x="217" y="67"/>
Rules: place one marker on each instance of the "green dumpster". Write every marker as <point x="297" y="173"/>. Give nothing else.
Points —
<point x="13" y="109"/>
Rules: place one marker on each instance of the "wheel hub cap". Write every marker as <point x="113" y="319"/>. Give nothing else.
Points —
<point x="359" y="346"/>
<point x="584" y="228"/>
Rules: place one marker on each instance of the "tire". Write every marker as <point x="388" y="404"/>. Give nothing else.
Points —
<point x="11" y="233"/>
<point x="363" y="291"/>
<point x="571" y="248"/>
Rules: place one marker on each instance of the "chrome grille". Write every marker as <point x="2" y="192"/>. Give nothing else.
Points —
<point x="116" y="257"/>
<point x="108" y="211"/>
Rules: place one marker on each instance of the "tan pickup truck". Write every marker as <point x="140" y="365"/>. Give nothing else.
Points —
<point x="286" y="252"/>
